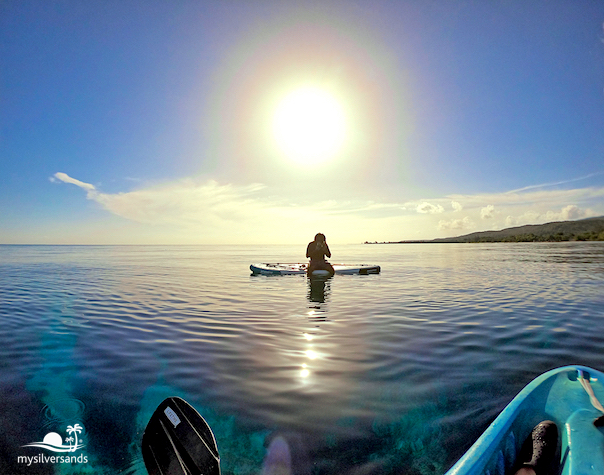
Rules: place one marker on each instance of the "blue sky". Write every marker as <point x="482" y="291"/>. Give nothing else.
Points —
<point x="149" y="122"/>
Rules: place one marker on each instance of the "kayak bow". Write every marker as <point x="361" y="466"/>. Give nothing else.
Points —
<point x="569" y="397"/>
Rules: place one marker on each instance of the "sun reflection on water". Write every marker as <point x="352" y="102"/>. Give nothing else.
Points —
<point x="310" y="354"/>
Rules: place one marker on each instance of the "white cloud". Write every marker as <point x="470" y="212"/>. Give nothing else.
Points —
<point x="487" y="212"/>
<point x="182" y="202"/>
<point x="456" y="205"/>
<point x="571" y="212"/>
<point x="565" y="213"/>
<point x="459" y="224"/>
<point x="542" y="199"/>
<point x="208" y="211"/>
<point x="426" y="207"/>
<point x="67" y="179"/>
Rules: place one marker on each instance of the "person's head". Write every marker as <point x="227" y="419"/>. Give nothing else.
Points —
<point x="320" y="237"/>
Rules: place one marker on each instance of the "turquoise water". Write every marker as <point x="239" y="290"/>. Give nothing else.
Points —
<point x="379" y="374"/>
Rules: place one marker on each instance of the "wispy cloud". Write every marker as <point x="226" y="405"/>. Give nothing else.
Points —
<point x="556" y="183"/>
<point x="210" y="211"/>
<point x="67" y="179"/>
<point x="182" y="202"/>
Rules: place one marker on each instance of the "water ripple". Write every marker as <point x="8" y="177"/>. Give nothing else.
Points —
<point x="407" y="366"/>
<point x="68" y="410"/>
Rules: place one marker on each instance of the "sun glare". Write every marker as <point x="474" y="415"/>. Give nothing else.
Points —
<point x="309" y="126"/>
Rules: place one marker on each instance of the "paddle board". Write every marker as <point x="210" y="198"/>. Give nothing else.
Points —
<point x="569" y="397"/>
<point x="300" y="268"/>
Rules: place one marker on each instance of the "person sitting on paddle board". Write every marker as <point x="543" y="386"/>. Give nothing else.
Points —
<point x="316" y="251"/>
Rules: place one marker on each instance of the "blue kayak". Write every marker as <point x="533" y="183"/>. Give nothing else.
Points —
<point x="569" y="396"/>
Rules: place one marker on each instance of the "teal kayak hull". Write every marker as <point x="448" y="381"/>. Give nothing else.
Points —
<point x="557" y="395"/>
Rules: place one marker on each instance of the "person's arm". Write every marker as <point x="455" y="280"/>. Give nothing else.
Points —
<point x="327" y="251"/>
<point x="308" y="249"/>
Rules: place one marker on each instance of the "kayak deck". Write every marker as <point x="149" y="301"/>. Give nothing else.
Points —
<point x="559" y="395"/>
<point x="301" y="268"/>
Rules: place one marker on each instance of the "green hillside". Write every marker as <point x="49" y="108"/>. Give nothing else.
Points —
<point x="591" y="229"/>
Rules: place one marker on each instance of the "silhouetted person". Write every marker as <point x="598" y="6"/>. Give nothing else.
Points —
<point x="316" y="251"/>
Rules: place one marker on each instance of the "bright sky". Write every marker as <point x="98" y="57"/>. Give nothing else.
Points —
<point x="193" y="122"/>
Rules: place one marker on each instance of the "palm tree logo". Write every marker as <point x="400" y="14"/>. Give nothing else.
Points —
<point x="53" y="441"/>
<point x="75" y="429"/>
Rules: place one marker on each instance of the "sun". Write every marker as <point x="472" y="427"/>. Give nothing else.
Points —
<point x="309" y="126"/>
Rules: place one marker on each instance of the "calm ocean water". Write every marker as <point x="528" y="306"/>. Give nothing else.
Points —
<point x="396" y="373"/>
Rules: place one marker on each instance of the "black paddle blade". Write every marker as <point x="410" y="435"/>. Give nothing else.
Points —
<point x="178" y="441"/>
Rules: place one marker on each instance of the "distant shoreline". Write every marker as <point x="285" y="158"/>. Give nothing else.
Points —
<point x="590" y="229"/>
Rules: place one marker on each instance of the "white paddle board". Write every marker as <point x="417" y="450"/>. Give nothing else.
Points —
<point x="300" y="268"/>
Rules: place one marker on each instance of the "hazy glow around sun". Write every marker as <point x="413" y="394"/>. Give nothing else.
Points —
<point x="309" y="125"/>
